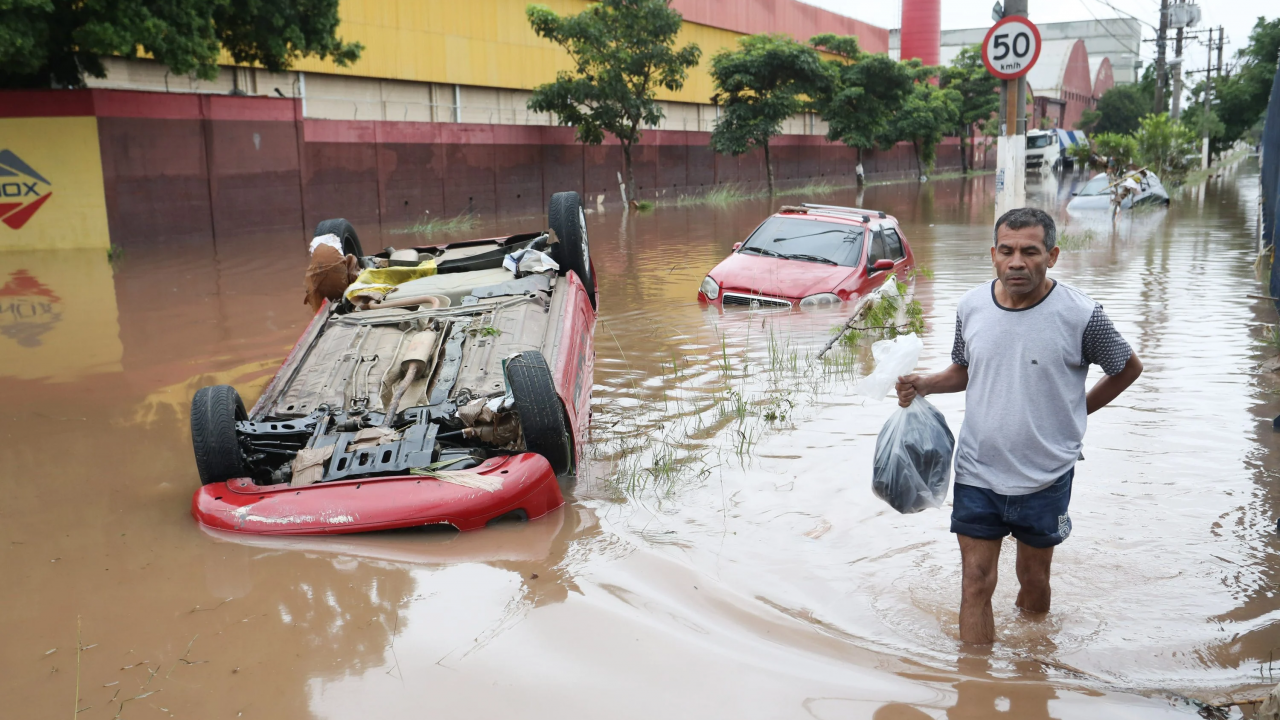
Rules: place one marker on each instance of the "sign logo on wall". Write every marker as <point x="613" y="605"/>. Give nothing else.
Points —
<point x="22" y="190"/>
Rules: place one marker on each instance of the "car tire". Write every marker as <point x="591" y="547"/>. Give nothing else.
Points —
<point x="571" y="251"/>
<point x="344" y="230"/>
<point x="542" y="419"/>
<point x="214" y="412"/>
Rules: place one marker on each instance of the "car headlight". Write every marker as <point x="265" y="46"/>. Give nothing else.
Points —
<point x="820" y="299"/>
<point x="710" y="288"/>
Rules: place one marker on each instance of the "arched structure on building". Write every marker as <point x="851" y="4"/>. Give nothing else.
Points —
<point x="1103" y="78"/>
<point x="1063" y="83"/>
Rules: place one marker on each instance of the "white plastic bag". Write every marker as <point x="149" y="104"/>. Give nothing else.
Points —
<point x="528" y="260"/>
<point x="894" y="358"/>
<point x="912" y="467"/>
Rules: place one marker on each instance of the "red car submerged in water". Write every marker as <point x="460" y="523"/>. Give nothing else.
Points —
<point x="456" y="395"/>
<point x="809" y="256"/>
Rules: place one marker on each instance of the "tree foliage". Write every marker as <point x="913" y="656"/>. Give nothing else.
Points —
<point x="1241" y="99"/>
<point x="44" y="42"/>
<point x="979" y="92"/>
<point x="623" y="51"/>
<point x="766" y="80"/>
<point x="862" y="93"/>
<point x="1121" y="109"/>
<point x="928" y="114"/>
<point x="1163" y="145"/>
<point x="1119" y="147"/>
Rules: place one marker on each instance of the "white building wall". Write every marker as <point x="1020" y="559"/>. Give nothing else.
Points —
<point x="340" y="97"/>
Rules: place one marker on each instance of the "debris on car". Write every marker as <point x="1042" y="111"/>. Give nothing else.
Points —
<point x="435" y="364"/>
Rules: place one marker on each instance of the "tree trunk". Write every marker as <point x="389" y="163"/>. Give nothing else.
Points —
<point x="768" y="167"/>
<point x="916" y="147"/>
<point x="859" y="174"/>
<point x="628" y="175"/>
<point x="973" y="150"/>
<point x="964" y="157"/>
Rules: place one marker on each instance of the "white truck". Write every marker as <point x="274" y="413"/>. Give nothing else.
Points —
<point x="1043" y="150"/>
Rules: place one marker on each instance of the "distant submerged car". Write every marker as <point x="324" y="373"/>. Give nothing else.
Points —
<point x="1096" y="194"/>
<point x="810" y="255"/>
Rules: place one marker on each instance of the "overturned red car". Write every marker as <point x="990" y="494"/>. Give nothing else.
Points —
<point x="448" y="384"/>
<point x="810" y="256"/>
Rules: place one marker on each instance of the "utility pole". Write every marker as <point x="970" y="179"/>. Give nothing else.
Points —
<point x="1220" y="41"/>
<point x="1175" y="107"/>
<point x="1208" y="92"/>
<point x="1161" y="71"/>
<point x="1011" y="146"/>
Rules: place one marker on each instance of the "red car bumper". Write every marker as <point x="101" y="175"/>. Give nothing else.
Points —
<point x="386" y="503"/>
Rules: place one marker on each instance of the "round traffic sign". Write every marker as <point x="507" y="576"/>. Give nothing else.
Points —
<point x="1011" y="47"/>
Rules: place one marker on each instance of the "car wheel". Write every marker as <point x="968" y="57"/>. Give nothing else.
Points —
<point x="214" y="412"/>
<point x="541" y="414"/>
<point x="345" y="231"/>
<point x="571" y="250"/>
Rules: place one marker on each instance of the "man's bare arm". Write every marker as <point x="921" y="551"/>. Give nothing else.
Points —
<point x="1110" y="386"/>
<point x="954" y="379"/>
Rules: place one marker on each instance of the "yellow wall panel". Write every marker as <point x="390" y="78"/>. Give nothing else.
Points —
<point x="63" y="153"/>
<point x="483" y="42"/>
<point x="58" y="317"/>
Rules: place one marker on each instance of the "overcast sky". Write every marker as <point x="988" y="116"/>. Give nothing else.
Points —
<point x="1235" y="16"/>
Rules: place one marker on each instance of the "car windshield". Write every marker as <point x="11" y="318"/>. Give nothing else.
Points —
<point x="807" y="240"/>
<point x="1095" y="186"/>
<point x="1038" y="141"/>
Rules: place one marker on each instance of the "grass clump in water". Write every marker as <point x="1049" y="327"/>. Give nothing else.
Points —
<point x="719" y="195"/>
<point x="428" y="226"/>
<point x="1072" y="242"/>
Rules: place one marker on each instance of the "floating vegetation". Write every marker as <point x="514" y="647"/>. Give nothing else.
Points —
<point x="717" y="398"/>
<point x="1075" y="241"/>
<point x="428" y="226"/>
<point x="720" y="195"/>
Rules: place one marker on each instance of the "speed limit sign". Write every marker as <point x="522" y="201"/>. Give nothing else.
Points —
<point x="1011" y="48"/>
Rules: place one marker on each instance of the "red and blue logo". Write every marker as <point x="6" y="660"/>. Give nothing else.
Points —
<point x="22" y="190"/>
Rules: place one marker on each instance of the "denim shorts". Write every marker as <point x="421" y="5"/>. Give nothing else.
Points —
<point x="1039" y="519"/>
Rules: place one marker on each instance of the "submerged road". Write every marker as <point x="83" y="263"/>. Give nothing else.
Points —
<point x="721" y="555"/>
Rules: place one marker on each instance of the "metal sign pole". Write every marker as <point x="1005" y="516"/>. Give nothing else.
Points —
<point x="1011" y="145"/>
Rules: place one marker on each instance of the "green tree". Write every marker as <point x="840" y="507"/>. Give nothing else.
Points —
<point x="928" y="113"/>
<point x="1163" y="144"/>
<point x="766" y="80"/>
<point x="58" y="42"/>
<point x="862" y="91"/>
<point x="622" y="52"/>
<point x="1121" y="148"/>
<point x="1241" y="99"/>
<point x="1121" y="109"/>
<point x="979" y="93"/>
<point x="1088" y="119"/>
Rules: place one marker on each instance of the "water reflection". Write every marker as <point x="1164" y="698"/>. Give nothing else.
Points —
<point x="737" y="561"/>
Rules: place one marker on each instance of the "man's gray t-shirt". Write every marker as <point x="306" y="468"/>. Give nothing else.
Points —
<point x="1025" y="403"/>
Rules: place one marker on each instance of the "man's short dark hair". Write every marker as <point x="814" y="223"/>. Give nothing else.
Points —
<point x="1020" y="218"/>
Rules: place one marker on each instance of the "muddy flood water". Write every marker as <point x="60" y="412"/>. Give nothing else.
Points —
<point x="721" y="555"/>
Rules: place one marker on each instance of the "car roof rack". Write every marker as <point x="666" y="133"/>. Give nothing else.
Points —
<point x="840" y="208"/>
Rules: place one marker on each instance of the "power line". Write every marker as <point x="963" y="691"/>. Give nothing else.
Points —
<point x="1136" y="51"/>
<point x="1129" y="14"/>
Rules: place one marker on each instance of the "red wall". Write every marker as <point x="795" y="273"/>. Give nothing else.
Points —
<point x="193" y="165"/>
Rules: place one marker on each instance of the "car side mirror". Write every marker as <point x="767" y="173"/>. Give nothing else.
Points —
<point x="882" y="265"/>
<point x="737" y="245"/>
<point x="1074" y="194"/>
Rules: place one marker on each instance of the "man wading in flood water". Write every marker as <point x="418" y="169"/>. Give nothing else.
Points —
<point x="1023" y="346"/>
